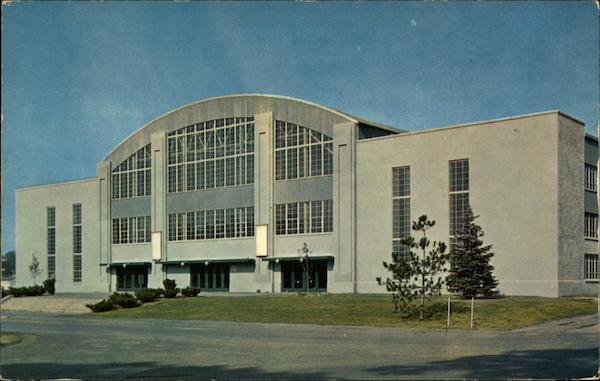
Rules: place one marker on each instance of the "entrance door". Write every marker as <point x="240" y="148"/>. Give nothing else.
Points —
<point x="294" y="278"/>
<point x="214" y="277"/>
<point x="132" y="277"/>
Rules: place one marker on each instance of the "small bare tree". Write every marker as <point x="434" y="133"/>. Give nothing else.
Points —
<point x="303" y="258"/>
<point x="34" y="268"/>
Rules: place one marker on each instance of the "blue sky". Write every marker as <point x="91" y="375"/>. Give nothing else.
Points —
<point x="80" y="77"/>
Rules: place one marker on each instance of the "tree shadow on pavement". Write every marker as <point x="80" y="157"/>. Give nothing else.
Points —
<point x="143" y="370"/>
<point x="549" y="364"/>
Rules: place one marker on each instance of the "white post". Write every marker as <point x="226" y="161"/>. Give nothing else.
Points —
<point x="448" y="318"/>
<point x="472" y="302"/>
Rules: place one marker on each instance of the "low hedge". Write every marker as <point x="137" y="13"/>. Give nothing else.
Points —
<point x="34" y="290"/>
<point x="190" y="291"/>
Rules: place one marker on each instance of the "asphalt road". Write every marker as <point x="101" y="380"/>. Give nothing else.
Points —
<point x="60" y="346"/>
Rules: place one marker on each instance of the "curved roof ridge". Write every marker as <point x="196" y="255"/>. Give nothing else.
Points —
<point x="342" y="114"/>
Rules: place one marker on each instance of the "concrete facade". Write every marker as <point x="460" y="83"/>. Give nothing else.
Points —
<point x="526" y="181"/>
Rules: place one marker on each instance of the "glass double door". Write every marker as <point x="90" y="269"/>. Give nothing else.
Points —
<point x="132" y="278"/>
<point x="295" y="279"/>
<point x="211" y="277"/>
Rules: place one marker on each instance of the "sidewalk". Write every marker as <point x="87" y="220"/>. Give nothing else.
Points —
<point x="67" y="303"/>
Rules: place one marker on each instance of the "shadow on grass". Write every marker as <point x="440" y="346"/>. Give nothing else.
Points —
<point x="549" y="364"/>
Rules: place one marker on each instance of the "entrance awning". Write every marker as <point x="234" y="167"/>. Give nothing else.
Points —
<point x="296" y="258"/>
<point x="209" y="260"/>
<point x="125" y="264"/>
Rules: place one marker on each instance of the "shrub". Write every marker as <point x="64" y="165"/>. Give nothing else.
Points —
<point x="169" y="284"/>
<point x="171" y="293"/>
<point x="146" y="295"/>
<point x="4" y="292"/>
<point x="34" y="290"/>
<point x="26" y="291"/>
<point x="102" y="306"/>
<point x="17" y="292"/>
<point x="190" y="291"/>
<point x="124" y="300"/>
<point x="49" y="286"/>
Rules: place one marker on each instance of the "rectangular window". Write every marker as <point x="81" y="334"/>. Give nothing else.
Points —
<point x="172" y="227"/>
<point x="292" y="218"/>
<point x="315" y="160"/>
<point x="591" y="226"/>
<point x="280" y="219"/>
<point x="250" y="222"/>
<point x="304" y="217"/>
<point x="250" y="169"/>
<point x="219" y="223"/>
<point x="400" y="209"/>
<point x="590" y="177"/>
<point x="191" y="176"/>
<point x="590" y="267"/>
<point x="180" y="225"/>
<point x="229" y="223"/>
<point x="200" y="224"/>
<point x="190" y="225"/>
<point x="230" y="172"/>
<point x="77" y="228"/>
<point x="77" y="268"/>
<point x="327" y="216"/>
<point x="458" y="174"/>
<point x="51" y="266"/>
<point x="316" y="216"/>
<point x="210" y="224"/>
<point x="51" y="241"/>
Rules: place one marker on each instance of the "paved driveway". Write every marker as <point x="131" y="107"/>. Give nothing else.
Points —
<point x="88" y="346"/>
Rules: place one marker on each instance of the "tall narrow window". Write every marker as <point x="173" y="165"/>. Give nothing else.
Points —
<point x="51" y="241"/>
<point x="591" y="226"/>
<point x="77" y="242"/>
<point x="590" y="267"/>
<point x="459" y="193"/>
<point x="590" y="177"/>
<point x="400" y="209"/>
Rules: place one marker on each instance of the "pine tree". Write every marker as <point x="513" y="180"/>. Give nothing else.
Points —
<point x="470" y="269"/>
<point x="418" y="273"/>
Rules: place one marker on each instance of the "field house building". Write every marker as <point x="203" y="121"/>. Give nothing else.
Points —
<point x="221" y="194"/>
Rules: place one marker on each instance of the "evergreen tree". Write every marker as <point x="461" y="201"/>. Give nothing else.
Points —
<point x="418" y="273"/>
<point x="470" y="269"/>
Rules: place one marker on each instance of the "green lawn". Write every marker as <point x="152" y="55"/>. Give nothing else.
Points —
<point x="371" y="310"/>
<point x="9" y="338"/>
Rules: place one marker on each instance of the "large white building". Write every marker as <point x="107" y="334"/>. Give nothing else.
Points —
<point x="221" y="194"/>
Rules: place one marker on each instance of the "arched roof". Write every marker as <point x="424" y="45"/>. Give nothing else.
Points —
<point x="296" y="110"/>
